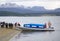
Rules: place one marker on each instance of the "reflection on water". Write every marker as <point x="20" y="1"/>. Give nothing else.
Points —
<point x="32" y="32"/>
<point x="18" y="36"/>
<point x="37" y="36"/>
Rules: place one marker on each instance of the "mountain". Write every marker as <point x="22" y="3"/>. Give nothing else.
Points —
<point x="12" y="9"/>
<point x="20" y="9"/>
<point x="7" y="13"/>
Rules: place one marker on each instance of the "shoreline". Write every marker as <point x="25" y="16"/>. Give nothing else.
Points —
<point x="7" y="34"/>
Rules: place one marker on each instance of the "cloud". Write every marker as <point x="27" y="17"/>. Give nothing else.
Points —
<point x="2" y="0"/>
<point x="48" y="4"/>
<point x="8" y="1"/>
<point x="39" y="0"/>
<point x="35" y="0"/>
<point x="24" y="0"/>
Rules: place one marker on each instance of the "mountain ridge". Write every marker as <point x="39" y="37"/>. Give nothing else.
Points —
<point x="29" y="11"/>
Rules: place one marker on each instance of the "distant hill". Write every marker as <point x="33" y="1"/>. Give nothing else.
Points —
<point x="7" y="13"/>
<point x="10" y="9"/>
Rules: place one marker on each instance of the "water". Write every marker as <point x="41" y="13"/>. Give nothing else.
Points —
<point x="36" y="36"/>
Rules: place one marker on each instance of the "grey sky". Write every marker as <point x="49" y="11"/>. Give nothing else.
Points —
<point x="48" y="4"/>
<point x="25" y="0"/>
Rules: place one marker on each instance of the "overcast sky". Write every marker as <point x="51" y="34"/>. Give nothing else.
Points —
<point x="48" y="4"/>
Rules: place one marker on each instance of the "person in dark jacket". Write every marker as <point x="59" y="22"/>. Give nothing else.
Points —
<point x="45" y="26"/>
<point x="2" y="24"/>
<point x="6" y="24"/>
<point x="10" y="25"/>
<point x="19" y="24"/>
<point x="15" y="24"/>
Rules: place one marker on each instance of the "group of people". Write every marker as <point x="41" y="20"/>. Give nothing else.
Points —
<point x="8" y="25"/>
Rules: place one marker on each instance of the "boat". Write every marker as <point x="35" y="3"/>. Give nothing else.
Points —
<point x="36" y="27"/>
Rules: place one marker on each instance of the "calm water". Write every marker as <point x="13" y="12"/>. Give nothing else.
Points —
<point x="36" y="36"/>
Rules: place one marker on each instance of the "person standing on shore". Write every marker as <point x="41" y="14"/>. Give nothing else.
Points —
<point x="16" y="24"/>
